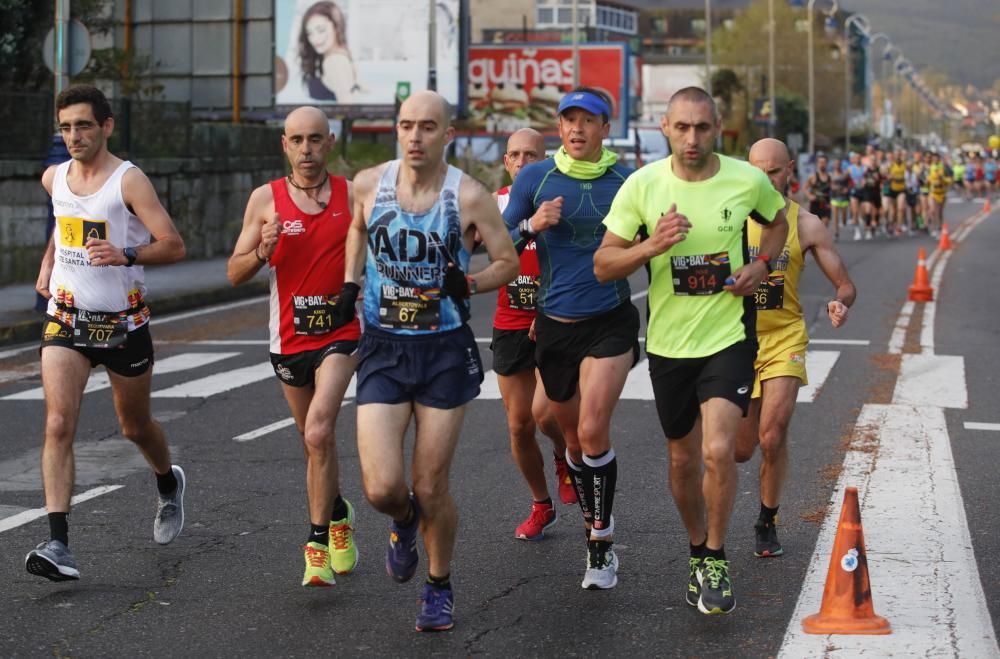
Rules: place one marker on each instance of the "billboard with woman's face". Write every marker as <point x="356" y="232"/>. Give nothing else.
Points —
<point x="354" y="52"/>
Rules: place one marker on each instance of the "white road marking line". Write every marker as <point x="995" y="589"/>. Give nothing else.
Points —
<point x="234" y="342"/>
<point x="290" y="421"/>
<point x="218" y="383"/>
<point x="819" y="363"/>
<point x="924" y="576"/>
<point x="839" y="342"/>
<point x="639" y="295"/>
<point x="99" y="381"/>
<point x="638" y="385"/>
<point x="932" y="380"/>
<point x="12" y="352"/>
<point x="975" y="425"/>
<point x="173" y="318"/>
<point x="26" y="516"/>
<point x="898" y="337"/>
<point x="32" y="370"/>
<point x="264" y="430"/>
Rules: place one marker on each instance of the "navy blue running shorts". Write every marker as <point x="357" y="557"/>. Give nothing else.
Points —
<point x="441" y="370"/>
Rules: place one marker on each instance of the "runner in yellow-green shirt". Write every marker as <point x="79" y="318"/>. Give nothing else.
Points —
<point x="701" y="337"/>
<point x="782" y="339"/>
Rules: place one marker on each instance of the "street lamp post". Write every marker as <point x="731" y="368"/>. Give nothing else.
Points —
<point x="772" y="115"/>
<point x="862" y="22"/>
<point x="708" y="46"/>
<point x="872" y="40"/>
<point x="812" y="81"/>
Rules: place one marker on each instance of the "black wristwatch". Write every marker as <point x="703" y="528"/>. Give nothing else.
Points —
<point x="130" y="255"/>
<point x="524" y="227"/>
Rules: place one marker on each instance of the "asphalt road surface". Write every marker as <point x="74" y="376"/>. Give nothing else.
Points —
<point x="229" y="585"/>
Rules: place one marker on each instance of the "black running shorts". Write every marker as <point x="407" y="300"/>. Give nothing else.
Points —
<point x="132" y="359"/>
<point x="513" y="351"/>
<point x="680" y="386"/>
<point x="299" y="369"/>
<point x="561" y="347"/>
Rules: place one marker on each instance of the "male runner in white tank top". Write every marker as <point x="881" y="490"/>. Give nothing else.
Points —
<point x="106" y="211"/>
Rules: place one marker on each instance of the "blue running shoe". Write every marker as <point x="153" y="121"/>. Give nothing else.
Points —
<point x="401" y="556"/>
<point x="436" y="608"/>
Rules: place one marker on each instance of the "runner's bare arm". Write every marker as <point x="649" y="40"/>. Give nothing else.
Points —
<point x="814" y="236"/>
<point x="772" y="242"/>
<point x="247" y="259"/>
<point x="480" y="214"/>
<point x="49" y="255"/>
<point x="617" y="258"/>
<point x="365" y="184"/>
<point x="140" y="198"/>
<point x="45" y="269"/>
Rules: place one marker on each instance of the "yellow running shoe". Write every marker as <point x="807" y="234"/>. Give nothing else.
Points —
<point x="319" y="573"/>
<point x="343" y="551"/>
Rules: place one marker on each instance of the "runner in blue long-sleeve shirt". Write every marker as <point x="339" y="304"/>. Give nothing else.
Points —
<point x="586" y="332"/>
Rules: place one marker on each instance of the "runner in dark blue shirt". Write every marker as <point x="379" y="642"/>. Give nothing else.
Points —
<point x="586" y="332"/>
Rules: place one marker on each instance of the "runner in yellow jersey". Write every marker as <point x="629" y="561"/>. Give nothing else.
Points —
<point x="782" y="338"/>
<point x="938" y="183"/>
<point x="700" y="337"/>
<point x="897" y="190"/>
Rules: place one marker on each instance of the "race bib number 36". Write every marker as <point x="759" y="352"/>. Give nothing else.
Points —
<point x="311" y="314"/>
<point x="410" y="307"/>
<point x="771" y="294"/>
<point x="99" y="330"/>
<point x="700" y="274"/>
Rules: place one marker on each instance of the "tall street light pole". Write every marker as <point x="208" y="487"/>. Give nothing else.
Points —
<point x="872" y="40"/>
<point x="772" y="100"/>
<point x="862" y="22"/>
<point x="575" y="17"/>
<point x="708" y="46"/>
<point x="812" y="74"/>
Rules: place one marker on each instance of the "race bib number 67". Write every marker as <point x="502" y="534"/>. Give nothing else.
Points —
<point x="700" y="274"/>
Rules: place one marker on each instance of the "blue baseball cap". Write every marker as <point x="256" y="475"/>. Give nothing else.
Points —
<point x="592" y="103"/>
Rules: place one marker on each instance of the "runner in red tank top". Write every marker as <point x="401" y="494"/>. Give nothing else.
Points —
<point x="514" y="363"/>
<point x="298" y="226"/>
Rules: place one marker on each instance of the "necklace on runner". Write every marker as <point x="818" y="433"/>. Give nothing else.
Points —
<point x="306" y="188"/>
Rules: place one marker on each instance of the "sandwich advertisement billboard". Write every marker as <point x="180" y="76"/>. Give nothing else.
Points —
<point x="514" y="86"/>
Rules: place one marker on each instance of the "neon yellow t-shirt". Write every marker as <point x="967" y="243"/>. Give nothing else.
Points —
<point x="690" y="314"/>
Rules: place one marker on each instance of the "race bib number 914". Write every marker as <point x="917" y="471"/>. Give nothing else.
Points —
<point x="700" y="274"/>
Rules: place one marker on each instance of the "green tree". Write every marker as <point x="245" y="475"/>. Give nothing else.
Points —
<point x="743" y="48"/>
<point x="725" y="86"/>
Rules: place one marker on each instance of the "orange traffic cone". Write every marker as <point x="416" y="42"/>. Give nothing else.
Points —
<point x="920" y="289"/>
<point x="986" y="207"/>
<point x="945" y="242"/>
<point x="847" y="597"/>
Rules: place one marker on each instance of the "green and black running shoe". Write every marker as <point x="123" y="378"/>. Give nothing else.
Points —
<point x="694" y="582"/>
<point x="716" y="588"/>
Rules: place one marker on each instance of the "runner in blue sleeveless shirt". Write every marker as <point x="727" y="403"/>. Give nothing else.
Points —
<point x="412" y="229"/>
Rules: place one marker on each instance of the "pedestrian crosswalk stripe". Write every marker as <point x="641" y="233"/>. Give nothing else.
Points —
<point x="819" y="363"/>
<point x="218" y="383"/>
<point x="98" y="381"/>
